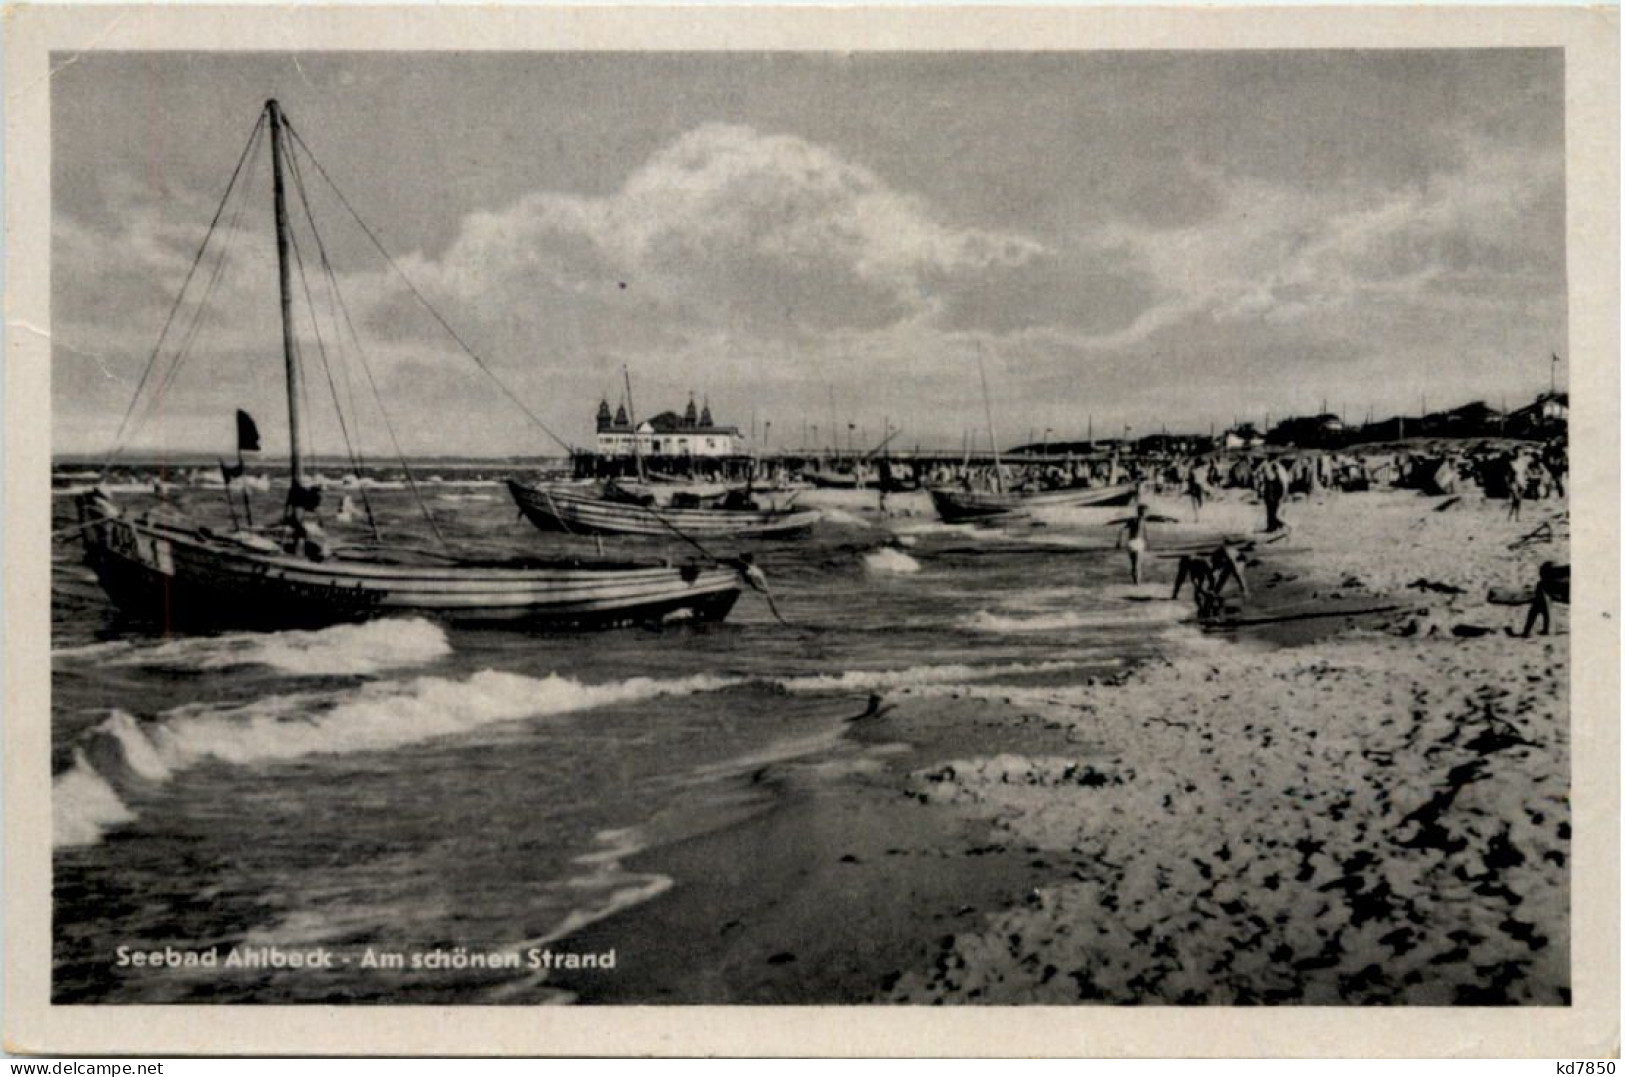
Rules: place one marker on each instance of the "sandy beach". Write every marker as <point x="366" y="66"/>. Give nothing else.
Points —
<point x="1361" y="808"/>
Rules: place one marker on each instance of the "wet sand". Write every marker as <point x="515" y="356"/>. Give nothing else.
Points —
<point x="1358" y="808"/>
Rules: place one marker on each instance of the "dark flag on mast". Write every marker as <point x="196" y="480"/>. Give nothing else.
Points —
<point x="248" y="435"/>
<point x="248" y="440"/>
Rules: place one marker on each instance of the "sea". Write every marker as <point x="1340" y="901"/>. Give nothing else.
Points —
<point x="407" y="786"/>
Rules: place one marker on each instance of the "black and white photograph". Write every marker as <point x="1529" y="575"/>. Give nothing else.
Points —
<point x="805" y="527"/>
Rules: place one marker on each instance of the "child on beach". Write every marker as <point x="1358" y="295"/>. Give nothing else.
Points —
<point x="1135" y="531"/>
<point x="1208" y="575"/>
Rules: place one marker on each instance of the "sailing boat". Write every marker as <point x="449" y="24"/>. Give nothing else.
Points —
<point x="608" y="509"/>
<point x="957" y="506"/>
<point x="162" y="565"/>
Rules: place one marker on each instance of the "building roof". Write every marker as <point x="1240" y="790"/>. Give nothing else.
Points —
<point x="667" y="422"/>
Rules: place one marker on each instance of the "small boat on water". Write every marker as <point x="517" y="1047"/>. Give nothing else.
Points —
<point x="962" y="506"/>
<point x="164" y="565"/>
<point x="190" y="576"/>
<point x="609" y="511"/>
<point x="835" y="480"/>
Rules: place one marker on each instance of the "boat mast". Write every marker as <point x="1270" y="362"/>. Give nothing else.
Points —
<point x="632" y="418"/>
<point x="992" y="435"/>
<point x="290" y="354"/>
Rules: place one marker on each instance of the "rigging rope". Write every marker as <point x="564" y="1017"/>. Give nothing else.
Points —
<point x="376" y="242"/>
<point x="366" y="366"/>
<point x="460" y="343"/>
<point x="357" y="457"/>
<point x="479" y="362"/>
<point x="185" y="350"/>
<point x="180" y="296"/>
<point x="321" y="351"/>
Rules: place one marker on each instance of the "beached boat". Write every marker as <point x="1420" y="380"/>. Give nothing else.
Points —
<point x="961" y="506"/>
<point x="190" y="576"/>
<point x="835" y="480"/>
<point x="596" y="511"/>
<point x="163" y="565"/>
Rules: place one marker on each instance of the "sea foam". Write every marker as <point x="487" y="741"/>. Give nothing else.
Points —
<point x="339" y="650"/>
<point x="281" y="728"/>
<point x="841" y="516"/>
<point x="385" y="715"/>
<point x="83" y="805"/>
<point x="888" y="560"/>
<point x="870" y="679"/>
<point x="1062" y="620"/>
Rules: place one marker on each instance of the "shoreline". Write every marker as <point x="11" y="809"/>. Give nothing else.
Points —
<point x="1336" y="808"/>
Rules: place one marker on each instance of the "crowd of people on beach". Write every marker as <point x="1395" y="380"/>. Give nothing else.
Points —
<point x="1498" y="469"/>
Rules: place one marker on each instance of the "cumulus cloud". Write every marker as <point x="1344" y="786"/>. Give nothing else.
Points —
<point x="765" y="267"/>
<point x="726" y="226"/>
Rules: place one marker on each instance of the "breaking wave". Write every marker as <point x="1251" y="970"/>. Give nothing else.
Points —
<point x="374" y="717"/>
<point x="342" y="649"/>
<point x="888" y="560"/>
<point x="841" y="516"/>
<point x="84" y="805"/>
<point x="126" y="752"/>
<point x="91" y="650"/>
<point x="869" y="679"/>
<point x="1062" y="620"/>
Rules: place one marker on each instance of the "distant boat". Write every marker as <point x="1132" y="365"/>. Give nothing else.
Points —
<point x="961" y="506"/>
<point x="163" y="565"/>
<point x="597" y="511"/>
<point x="835" y="480"/>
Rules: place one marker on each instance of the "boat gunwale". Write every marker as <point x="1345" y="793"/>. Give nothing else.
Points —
<point x="716" y="522"/>
<point x="584" y="571"/>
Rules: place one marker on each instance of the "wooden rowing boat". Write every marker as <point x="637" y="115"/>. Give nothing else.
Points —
<point x="961" y="506"/>
<point x="577" y="510"/>
<point x="191" y="577"/>
<point x="179" y="573"/>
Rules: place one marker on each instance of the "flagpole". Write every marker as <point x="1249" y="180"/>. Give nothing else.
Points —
<point x="248" y="510"/>
<point x="230" y="504"/>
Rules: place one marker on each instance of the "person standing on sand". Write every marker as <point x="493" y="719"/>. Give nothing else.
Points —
<point x="1194" y="491"/>
<point x="1552" y="587"/>
<point x="1517" y="478"/>
<point x="1135" y="530"/>
<point x="1272" y="487"/>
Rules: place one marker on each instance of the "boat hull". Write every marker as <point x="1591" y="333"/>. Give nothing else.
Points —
<point x="833" y="480"/>
<point x="180" y="577"/>
<point x="961" y="506"/>
<point x="573" y="512"/>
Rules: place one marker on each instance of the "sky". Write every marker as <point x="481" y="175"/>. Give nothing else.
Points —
<point x="1119" y="239"/>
